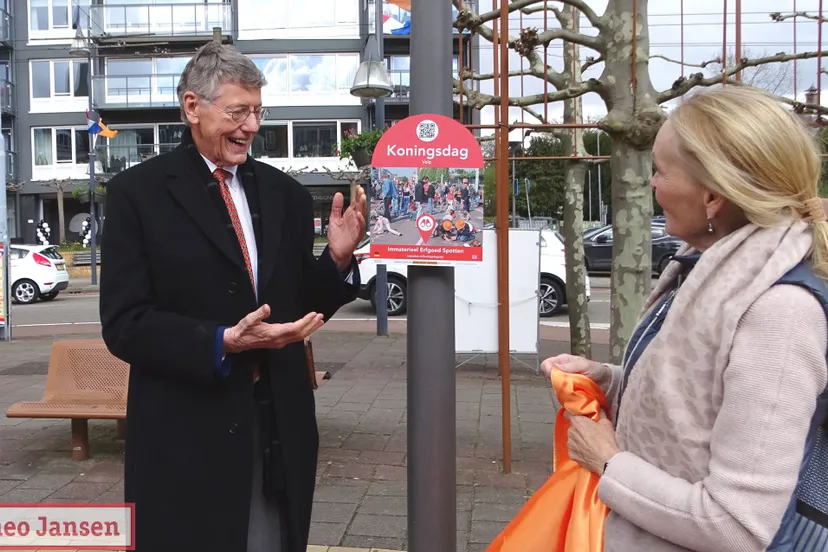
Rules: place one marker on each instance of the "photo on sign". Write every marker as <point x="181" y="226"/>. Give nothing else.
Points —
<point x="426" y="214"/>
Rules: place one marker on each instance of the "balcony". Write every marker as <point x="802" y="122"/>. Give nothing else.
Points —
<point x="6" y="27"/>
<point x="11" y="166"/>
<point x="155" y="21"/>
<point x="8" y="105"/>
<point x="135" y="91"/>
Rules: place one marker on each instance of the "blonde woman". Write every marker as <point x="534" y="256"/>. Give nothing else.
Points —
<point x="722" y="391"/>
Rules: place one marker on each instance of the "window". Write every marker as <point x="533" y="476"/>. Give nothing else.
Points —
<point x="169" y="136"/>
<point x="60" y="146"/>
<point x="62" y="80"/>
<point x="314" y="139"/>
<point x="143" y="81"/>
<point x="57" y="17"/>
<point x="271" y="142"/>
<point x="295" y="79"/>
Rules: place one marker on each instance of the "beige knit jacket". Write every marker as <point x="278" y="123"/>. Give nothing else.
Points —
<point x="713" y="422"/>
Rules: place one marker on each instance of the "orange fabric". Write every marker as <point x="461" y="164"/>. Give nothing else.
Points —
<point x="565" y="514"/>
<point x="404" y="4"/>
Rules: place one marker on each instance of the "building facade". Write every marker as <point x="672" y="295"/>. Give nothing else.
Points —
<point x="309" y="51"/>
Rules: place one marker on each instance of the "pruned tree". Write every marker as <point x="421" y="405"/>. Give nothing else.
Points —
<point x="59" y="185"/>
<point x="634" y="116"/>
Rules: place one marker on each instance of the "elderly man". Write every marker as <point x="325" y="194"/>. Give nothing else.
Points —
<point x="209" y="287"/>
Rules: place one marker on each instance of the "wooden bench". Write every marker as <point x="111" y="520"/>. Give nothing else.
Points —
<point x="84" y="382"/>
<point x="84" y="258"/>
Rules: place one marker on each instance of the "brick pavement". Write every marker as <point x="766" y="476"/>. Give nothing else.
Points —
<point x="360" y="502"/>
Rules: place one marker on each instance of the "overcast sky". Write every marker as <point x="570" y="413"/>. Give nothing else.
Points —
<point x="703" y="37"/>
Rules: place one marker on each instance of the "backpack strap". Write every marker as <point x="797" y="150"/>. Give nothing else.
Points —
<point x="810" y="500"/>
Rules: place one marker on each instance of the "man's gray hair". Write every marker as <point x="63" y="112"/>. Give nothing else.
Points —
<point x="213" y="65"/>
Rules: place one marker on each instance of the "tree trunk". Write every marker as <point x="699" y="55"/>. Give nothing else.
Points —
<point x="573" y="230"/>
<point x="61" y="218"/>
<point x="633" y="119"/>
<point x="631" y="246"/>
<point x="579" y="332"/>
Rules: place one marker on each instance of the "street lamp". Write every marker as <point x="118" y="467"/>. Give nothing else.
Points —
<point x="82" y="47"/>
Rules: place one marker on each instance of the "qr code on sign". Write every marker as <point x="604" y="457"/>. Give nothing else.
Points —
<point x="427" y="131"/>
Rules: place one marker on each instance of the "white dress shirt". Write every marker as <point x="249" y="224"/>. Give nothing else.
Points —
<point x="243" y="209"/>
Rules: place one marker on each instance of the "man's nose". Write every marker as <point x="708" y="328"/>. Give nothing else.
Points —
<point x="251" y="124"/>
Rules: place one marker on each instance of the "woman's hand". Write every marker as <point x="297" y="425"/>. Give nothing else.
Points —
<point x="591" y="444"/>
<point x="595" y="371"/>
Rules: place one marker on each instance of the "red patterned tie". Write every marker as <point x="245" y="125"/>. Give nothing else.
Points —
<point x="221" y="177"/>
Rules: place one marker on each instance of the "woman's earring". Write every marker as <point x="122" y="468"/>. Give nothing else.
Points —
<point x="709" y="226"/>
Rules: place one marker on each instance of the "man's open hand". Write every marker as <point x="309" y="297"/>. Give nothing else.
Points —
<point x="253" y="333"/>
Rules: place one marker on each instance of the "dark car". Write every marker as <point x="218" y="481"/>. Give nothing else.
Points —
<point x="598" y="248"/>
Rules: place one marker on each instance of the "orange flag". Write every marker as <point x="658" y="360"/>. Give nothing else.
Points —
<point x="564" y="515"/>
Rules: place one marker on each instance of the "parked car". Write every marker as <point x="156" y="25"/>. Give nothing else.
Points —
<point x="552" y="289"/>
<point x="37" y="272"/>
<point x="598" y="248"/>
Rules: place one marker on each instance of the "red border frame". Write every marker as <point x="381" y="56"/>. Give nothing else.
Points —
<point x="120" y="505"/>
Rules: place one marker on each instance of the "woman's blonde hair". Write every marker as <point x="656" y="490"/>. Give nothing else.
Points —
<point x="741" y="143"/>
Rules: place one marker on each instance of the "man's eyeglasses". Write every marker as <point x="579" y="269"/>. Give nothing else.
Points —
<point x="240" y="114"/>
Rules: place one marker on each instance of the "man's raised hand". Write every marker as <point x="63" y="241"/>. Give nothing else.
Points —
<point x="253" y="333"/>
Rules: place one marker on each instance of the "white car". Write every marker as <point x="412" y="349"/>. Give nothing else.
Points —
<point x="37" y="272"/>
<point x="552" y="277"/>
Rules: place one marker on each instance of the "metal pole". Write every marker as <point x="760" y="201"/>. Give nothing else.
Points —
<point x="379" y="121"/>
<point x="5" y="258"/>
<point x="590" y="193"/>
<point x="93" y="227"/>
<point x="431" y="392"/>
<point x="600" y="188"/>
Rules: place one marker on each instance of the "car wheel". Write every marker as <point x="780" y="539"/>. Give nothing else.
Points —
<point x="48" y="296"/>
<point x="25" y="292"/>
<point x="397" y="296"/>
<point x="551" y="297"/>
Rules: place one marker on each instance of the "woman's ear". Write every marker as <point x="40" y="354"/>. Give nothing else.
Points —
<point x="713" y="204"/>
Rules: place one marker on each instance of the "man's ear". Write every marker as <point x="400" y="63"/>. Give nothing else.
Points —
<point x="191" y="105"/>
<point x="713" y="204"/>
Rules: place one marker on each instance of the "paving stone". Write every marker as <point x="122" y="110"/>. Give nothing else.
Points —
<point x="361" y="471"/>
<point x="495" y="512"/>
<point x="368" y="543"/>
<point x="338" y="493"/>
<point x="326" y="533"/>
<point x="25" y="495"/>
<point x="48" y="481"/>
<point x="387" y="505"/>
<point x="485" y="531"/>
<point x="378" y="526"/>
<point x="393" y="473"/>
<point x="333" y="512"/>
<point x="500" y="480"/>
<point x="497" y="495"/>
<point x="382" y="457"/>
<point x="81" y="491"/>
<point x="388" y="488"/>
<point x="366" y="441"/>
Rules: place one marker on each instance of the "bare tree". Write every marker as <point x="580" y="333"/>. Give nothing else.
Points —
<point x="634" y="116"/>
<point x="776" y="78"/>
<point x="59" y="185"/>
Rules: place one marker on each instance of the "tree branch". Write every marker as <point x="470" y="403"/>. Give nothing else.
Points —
<point x="590" y="61"/>
<point x="528" y="72"/>
<point x="468" y="20"/>
<point x="683" y="85"/>
<point x="479" y="100"/>
<point x="779" y="17"/>
<point x="701" y="65"/>
<point x="592" y="42"/>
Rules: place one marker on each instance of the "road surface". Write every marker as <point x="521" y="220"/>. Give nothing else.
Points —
<point x="79" y="314"/>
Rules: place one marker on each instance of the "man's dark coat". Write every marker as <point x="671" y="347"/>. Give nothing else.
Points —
<point x="172" y="273"/>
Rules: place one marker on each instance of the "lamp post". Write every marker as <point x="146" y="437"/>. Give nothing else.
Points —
<point x="83" y="48"/>
<point x="372" y="82"/>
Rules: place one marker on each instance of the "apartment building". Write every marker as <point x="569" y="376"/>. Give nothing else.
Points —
<point x="309" y="51"/>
